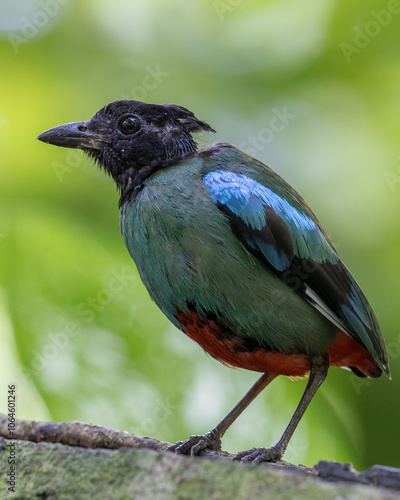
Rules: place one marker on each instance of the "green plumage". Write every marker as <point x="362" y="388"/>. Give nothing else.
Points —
<point x="186" y="252"/>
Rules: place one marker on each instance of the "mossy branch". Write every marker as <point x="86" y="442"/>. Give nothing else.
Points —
<point x="92" y="448"/>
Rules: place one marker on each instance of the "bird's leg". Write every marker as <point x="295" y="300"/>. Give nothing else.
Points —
<point x="318" y="373"/>
<point x="212" y="440"/>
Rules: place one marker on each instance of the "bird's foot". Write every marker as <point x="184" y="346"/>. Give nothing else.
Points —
<point x="196" y="444"/>
<point x="258" y="455"/>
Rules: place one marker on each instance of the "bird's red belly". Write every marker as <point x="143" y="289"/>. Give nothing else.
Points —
<point x="344" y="351"/>
<point x="230" y="350"/>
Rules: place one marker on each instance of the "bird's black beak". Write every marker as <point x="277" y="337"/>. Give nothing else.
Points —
<point x="72" y="135"/>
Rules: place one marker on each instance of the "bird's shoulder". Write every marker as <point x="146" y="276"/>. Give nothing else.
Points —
<point x="225" y="156"/>
<point x="228" y="170"/>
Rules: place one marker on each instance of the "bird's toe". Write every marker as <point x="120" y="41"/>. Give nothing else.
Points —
<point x="242" y="454"/>
<point x="258" y="455"/>
<point x="196" y="444"/>
<point x="174" y="447"/>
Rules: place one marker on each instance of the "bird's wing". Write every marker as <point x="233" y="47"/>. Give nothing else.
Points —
<point x="281" y="231"/>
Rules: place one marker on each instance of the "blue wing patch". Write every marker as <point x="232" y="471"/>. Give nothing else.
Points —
<point x="259" y="208"/>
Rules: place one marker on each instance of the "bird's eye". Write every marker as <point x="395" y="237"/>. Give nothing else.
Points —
<point x="129" y="125"/>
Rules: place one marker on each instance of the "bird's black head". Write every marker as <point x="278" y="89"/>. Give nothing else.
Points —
<point x="131" y="139"/>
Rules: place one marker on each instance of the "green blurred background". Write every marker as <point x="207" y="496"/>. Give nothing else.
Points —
<point x="79" y="335"/>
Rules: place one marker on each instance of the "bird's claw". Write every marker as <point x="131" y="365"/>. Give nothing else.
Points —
<point x="196" y="444"/>
<point x="258" y="455"/>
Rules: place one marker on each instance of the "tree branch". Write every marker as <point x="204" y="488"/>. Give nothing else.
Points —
<point x="83" y="435"/>
<point x="76" y="434"/>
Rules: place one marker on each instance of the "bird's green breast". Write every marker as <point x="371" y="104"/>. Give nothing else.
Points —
<point x="187" y="256"/>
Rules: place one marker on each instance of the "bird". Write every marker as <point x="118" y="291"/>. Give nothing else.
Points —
<point x="232" y="255"/>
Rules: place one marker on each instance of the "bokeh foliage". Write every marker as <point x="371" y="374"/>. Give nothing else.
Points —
<point x="79" y="334"/>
